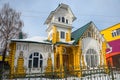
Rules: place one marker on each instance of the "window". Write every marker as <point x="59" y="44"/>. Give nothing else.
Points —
<point x="18" y="47"/>
<point x="116" y="32"/>
<point x="89" y="35"/>
<point x="91" y="58"/>
<point x="59" y="19"/>
<point x="67" y="21"/>
<point x="63" y="19"/>
<point x="112" y="34"/>
<point x="62" y="35"/>
<point x="35" y="60"/>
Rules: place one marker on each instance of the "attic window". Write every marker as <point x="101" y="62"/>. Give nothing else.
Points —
<point x="63" y="19"/>
<point x="89" y="34"/>
<point x="67" y="21"/>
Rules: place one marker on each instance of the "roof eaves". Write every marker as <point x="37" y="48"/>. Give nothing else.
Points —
<point x="49" y="17"/>
<point x="63" y="43"/>
<point x="30" y="42"/>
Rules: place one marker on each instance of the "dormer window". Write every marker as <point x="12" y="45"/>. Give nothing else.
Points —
<point x="63" y="19"/>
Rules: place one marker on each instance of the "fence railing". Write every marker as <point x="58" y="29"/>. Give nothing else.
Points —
<point x="86" y="74"/>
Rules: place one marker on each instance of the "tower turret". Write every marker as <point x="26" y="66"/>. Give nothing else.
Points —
<point x="59" y="24"/>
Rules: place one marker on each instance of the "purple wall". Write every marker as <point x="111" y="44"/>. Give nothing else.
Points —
<point x="115" y="45"/>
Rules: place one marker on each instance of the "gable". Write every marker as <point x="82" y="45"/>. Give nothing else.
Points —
<point x="79" y="32"/>
<point x="61" y="9"/>
<point x="88" y="30"/>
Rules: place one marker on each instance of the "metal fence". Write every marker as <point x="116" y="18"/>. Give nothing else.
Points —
<point x="87" y="74"/>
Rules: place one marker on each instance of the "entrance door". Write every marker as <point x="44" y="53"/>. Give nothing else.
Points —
<point x="66" y="61"/>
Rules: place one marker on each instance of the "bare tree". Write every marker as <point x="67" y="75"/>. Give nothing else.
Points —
<point x="10" y="26"/>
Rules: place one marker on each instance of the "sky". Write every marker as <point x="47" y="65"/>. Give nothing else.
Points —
<point x="104" y="13"/>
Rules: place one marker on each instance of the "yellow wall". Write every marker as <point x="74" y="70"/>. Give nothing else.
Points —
<point x="108" y="32"/>
<point x="68" y="35"/>
<point x="6" y="59"/>
<point x="20" y="66"/>
<point x="12" y="57"/>
<point x="54" y="35"/>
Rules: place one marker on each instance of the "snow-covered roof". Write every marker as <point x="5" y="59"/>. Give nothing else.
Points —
<point x="36" y="39"/>
<point x="41" y="40"/>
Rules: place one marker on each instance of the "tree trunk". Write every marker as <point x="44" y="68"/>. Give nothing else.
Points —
<point x="3" y="61"/>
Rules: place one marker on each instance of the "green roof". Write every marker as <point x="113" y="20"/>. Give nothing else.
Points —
<point x="78" y="33"/>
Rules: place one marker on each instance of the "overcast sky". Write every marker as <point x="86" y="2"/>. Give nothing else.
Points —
<point x="104" y="13"/>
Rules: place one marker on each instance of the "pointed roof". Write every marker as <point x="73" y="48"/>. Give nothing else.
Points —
<point x="53" y="12"/>
<point x="79" y="32"/>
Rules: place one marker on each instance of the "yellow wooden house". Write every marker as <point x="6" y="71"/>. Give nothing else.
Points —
<point x="63" y="49"/>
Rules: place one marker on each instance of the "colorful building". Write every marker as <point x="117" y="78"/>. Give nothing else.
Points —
<point x="84" y="48"/>
<point x="112" y="36"/>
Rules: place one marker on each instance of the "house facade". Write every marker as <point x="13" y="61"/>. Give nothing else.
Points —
<point x="84" y="48"/>
<point x="112" y="36"/>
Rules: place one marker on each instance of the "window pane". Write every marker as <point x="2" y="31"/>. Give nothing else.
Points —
<point x="89" y="35"/>
<point x="62" y="35"/>
<point x="59" y="19"/>
<point x="30" y="64"/>
<point x="41" y="62"/>
<point x="96" y="60"/>
<point x="88" y="60"/>
<point x="66" y="21"/>
<point x="119" y="31"/>
<point x="63" y="19"/>
<point x="91" y="58"/>
<point x="112" y="34"/>
<point x="30" y="56"/>
<point x="40" y="56"/>
<point x="36" y="54"/>
<point x="35" y="62"/>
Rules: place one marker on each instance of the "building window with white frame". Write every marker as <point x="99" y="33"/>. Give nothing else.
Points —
<point x="35" y="60"/>
<point x="63" y="19"/>
<point x="91" y="58"/>
<point x="62" y="35"/>
<point x="116" y="32"/>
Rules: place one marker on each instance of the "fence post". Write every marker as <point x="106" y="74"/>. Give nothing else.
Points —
<point x="112" y="73"/>
<point x="65" y="73"/>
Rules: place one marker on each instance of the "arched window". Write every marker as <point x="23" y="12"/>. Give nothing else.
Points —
<point x="35" y="60"/>
<point x="63" y="19"/>
<point x="91" y="58"/>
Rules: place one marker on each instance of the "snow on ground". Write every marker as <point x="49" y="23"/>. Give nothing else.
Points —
<point x="93" y="77"/>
